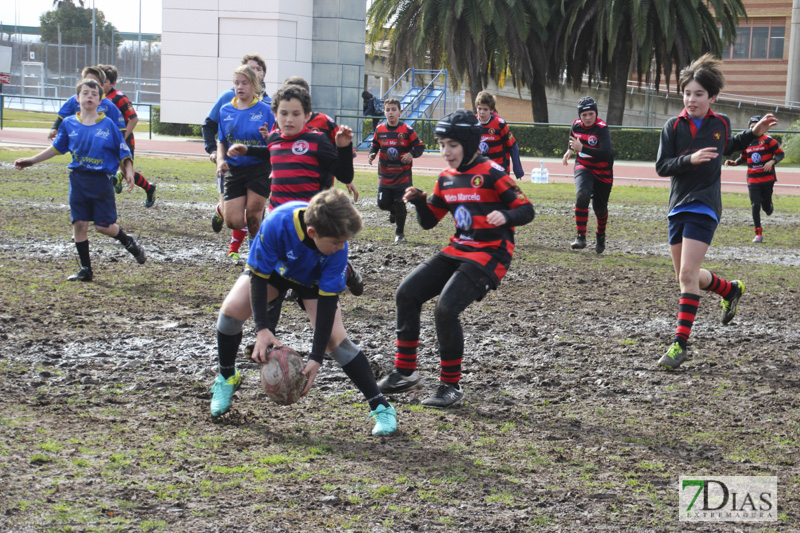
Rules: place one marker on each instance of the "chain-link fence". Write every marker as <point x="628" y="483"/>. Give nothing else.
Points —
<point x="59" y="68"/>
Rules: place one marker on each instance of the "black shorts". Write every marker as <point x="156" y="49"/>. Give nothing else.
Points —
<point x="391" y="195"/>
<point x="284" y="284"/>
<point x="242" y="179"/>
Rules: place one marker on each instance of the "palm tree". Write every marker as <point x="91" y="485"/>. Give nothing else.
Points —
<point x="608" y="38"/>
<point x="58" y="3"/>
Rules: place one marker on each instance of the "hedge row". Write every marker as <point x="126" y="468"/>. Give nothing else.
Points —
<point x="170" y="128"/>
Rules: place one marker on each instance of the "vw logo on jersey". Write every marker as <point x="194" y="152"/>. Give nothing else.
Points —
<point x="463" y="218"/>
<point x="755" y="157"/>
<point x="483" y="147"/>
<point x="392" y="154"/>
<point x="592" y="140"/>
<point x="300" y="147"/>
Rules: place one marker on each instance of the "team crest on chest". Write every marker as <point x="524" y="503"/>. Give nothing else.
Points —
<point x="592" y="140"/>
<point x="477" y="181"/>
<point x="300" y="147"/>
<point x="491" y="131"/>
<point x="401" y="136"/>
<point x="717" y="135"/>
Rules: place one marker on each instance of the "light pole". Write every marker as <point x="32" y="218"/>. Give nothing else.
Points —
<point x="139" y="61"/>
<point x="94" y="54"/>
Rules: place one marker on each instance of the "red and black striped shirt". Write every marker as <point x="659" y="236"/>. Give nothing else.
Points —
<point x="496" y="141"/>
<point x="470" y="195"/>
<point x="125" y="107"/>
<point x="300" y="163"/>
<point x="596" y="156"/>
<point x="391" y="142"/>
<point x="763" y="149"/>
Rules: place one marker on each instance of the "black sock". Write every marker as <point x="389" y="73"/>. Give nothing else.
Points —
<point x="227" y="348"/>
<point x="123" y="237"/>
<point x="360" y="373"/>
<point x="83" y="254"/>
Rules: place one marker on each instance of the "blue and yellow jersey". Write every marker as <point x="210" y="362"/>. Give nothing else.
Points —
<point x="96" y="148"/>
<point x="225" y="98"/>
<point x="71" y="107"/>
<point x="240" y="126"/>
<point x="282" y="245"/>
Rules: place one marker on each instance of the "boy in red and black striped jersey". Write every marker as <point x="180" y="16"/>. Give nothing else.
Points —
<point x="397" y="145"/>
<point x="761" y="156"/>
<point x="125" y="107"/>
<point x="497" y="142"/>
<point x="594" y="175"/>
<point x="486" y="205"/>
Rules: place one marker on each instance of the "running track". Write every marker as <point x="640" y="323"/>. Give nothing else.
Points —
<point x="625" y="172"/>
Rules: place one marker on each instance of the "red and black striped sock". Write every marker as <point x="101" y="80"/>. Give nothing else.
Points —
<point x="581" y="218"/>
<point x="405" y="359"/>
<point x="140" y="181"/>
<point x="451" y="371"/>
<point x="687" y="310"/>
<point x="720" y="286"/>
<point x="601" y="224"/>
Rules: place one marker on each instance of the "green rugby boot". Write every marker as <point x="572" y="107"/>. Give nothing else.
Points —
<point x="674" y="357"/>
<point x="222" y="391"/>
<point x="385" y="420"/>
<point x="730" y="305"/>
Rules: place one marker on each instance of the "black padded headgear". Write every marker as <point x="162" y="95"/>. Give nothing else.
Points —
<point x="754" y="119"/>
<point x="586" y="103"/>
<point x="461" y="126"/>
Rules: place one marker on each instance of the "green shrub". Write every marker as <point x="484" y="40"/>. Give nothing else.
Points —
<point x="551" y="141"/>
<point x="170" y="128"/>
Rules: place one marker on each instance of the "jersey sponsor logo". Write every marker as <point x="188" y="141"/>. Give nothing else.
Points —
<point x="228" y="118"/>
<point x="102" y="133"/>
<point x="389" y="142"/>
<point x="592" y="140"/>
<point x="392" y="154"/>
<point x="717" y="135"/>
<point x="256" y="116"/>
<point x="477" y="181"/>
<point x="300" y="147"/>
<point x="483" y="147"/>
<point x="463" y="218"/>
<point x="290" y="255"/>
<point x="461" y="197"/>
<point x="497" y="167"/>
<point x="73" y="134"/>
<point x="755" y="157"/>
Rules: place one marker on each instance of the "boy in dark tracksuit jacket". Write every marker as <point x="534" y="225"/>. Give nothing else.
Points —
<point x="690" y="153"/>
<point x="761" y="157"/>
<point x="594" y="175"/>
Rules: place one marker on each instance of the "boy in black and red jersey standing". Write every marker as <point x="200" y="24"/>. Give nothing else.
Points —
<point x="486" y="204"/>
<point x="761" y="156"/>
<point x="497" y="143"/>
<point x="125" y="107"/>
<point x="594" y="175"/>
<point x="397" y="145"/>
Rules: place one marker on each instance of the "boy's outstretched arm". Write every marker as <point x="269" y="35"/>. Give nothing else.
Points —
<point x="44" y="155"/>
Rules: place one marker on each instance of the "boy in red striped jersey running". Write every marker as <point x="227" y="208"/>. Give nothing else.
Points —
<point x="594" y="175"/>
<point x="397" y="145"/>
<point x="125" y="107"/>
<point x="486" y="205"/>
<point x="497" y="142"/>
<point x="761" y="157"/>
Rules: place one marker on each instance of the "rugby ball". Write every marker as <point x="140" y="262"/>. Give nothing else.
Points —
<point x="281" y="375"/>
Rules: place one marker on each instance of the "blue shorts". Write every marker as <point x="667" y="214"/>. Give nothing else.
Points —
<point x="91" y="197"/>
<point x="688" y="225"/>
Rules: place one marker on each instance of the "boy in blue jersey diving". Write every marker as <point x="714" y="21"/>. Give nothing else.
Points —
<point x="98" y="151"/>
<point x="303" y="246"/>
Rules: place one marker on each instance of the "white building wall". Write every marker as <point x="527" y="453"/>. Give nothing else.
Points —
<point x="204" y="41"/>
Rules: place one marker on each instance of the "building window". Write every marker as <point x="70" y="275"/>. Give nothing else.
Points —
<point x="756" y="42"/>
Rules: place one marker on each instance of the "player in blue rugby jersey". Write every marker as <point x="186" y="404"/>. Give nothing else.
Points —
<point x="98" y="151"/>
<point x="303" y="246"/>
<point x="105" y="106"/>
<point x="247" y="185"/>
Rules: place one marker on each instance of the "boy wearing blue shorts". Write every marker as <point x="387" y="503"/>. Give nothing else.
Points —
<point x="98" y="151"/>
<point x="690" y="154"/>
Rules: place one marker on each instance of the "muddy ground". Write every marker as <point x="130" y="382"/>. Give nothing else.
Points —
<point x="567" y="424"/>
